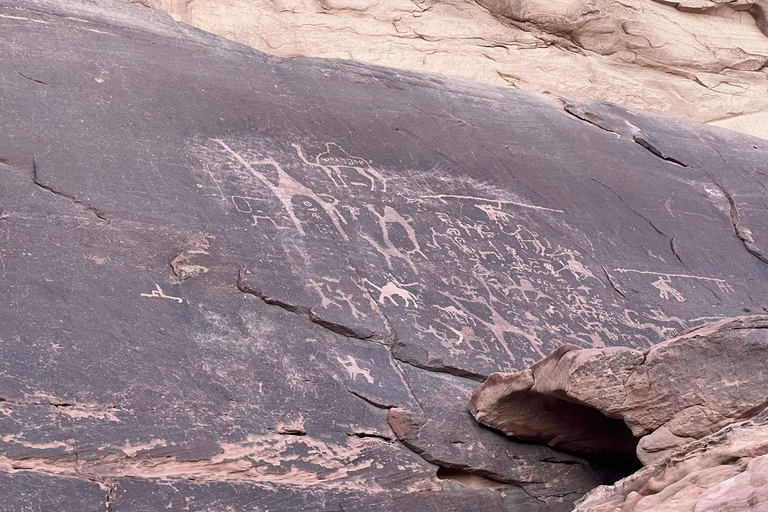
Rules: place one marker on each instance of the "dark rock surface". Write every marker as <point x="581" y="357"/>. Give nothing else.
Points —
<point x="226" y="276"/>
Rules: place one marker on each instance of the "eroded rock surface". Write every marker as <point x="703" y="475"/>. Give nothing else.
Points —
<point x="687" y="397"/>
<point x="725" y="471"/>
<point x="701" y="59"/>
<point x="226" y="276"/>
<point x="677" y="392"/>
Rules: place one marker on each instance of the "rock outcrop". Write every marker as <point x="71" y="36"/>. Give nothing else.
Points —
<point x="697" y="402"/>
<point x="232" y="280"/>
<point x="724" y="472"/>
<point x="701" y="59"/>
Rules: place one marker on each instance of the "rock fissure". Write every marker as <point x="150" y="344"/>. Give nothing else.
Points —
<point x="645" y="143"/>
<point x="312" y="316"/>
<point x="100" y="216"/>
<point x="32" y="79"/>
<point x="586" y="116"/>
<point x="743" y="233"/>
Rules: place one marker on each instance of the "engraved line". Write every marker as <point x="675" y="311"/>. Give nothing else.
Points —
<point x="627" y="270"/>
<point x="499" y="201"/>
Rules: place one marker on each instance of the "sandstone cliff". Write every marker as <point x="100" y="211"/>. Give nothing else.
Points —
<point x="700" y="59"/>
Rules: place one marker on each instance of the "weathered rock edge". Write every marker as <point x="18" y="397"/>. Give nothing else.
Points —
<point x="697" y="402"/>
<point x="673" y="394"/>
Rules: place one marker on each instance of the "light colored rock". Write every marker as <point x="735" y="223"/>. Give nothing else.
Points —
<point x="754" y="124"/>
<point x="699" y="401"/>
<point x="724" y="472"/>
<point x="677" y="392"/>
<point x="701" y="59"/>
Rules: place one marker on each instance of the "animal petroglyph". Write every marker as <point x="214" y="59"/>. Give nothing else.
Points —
<point x="394" y="289"/>
<point x="389" y="250"/>
<point x="665" y="290"/>
<point x="158" y="292"/>
<point x="354" y="370"/>
<point x="334" y="158"/>
<point x="547" y="291"/>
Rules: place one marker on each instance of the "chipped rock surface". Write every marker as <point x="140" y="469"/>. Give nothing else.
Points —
<point x="232" y="280"/>
<point x="700" y="59"/>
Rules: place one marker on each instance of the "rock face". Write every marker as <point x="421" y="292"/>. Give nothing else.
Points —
<point x="687" y="397"/>
<point x="701" y="59"/>
<point x="233" y="280"/>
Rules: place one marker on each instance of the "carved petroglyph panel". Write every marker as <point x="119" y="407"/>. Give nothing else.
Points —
<point x="512" y="286"/>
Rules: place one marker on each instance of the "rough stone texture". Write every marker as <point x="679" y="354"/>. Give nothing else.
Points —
<point x="226" y="275"/>
<point x="701" y="59"/>
<point x="677" y="392"/>
<point x="723" y="472"/>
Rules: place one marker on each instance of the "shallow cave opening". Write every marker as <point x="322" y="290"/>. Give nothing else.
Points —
<point x="607" y="444"/>
<point x="611" y="468"/>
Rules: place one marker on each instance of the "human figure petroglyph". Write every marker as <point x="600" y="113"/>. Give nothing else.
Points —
<point x="395" y="289"/>
<point x="663" y="283"/>
<point x="286" y="189"/>
<point x="158" y="292"/>
<point x="537" y="274"/>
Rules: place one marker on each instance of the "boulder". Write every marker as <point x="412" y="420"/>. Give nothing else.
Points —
<point x="599" y="400"/>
